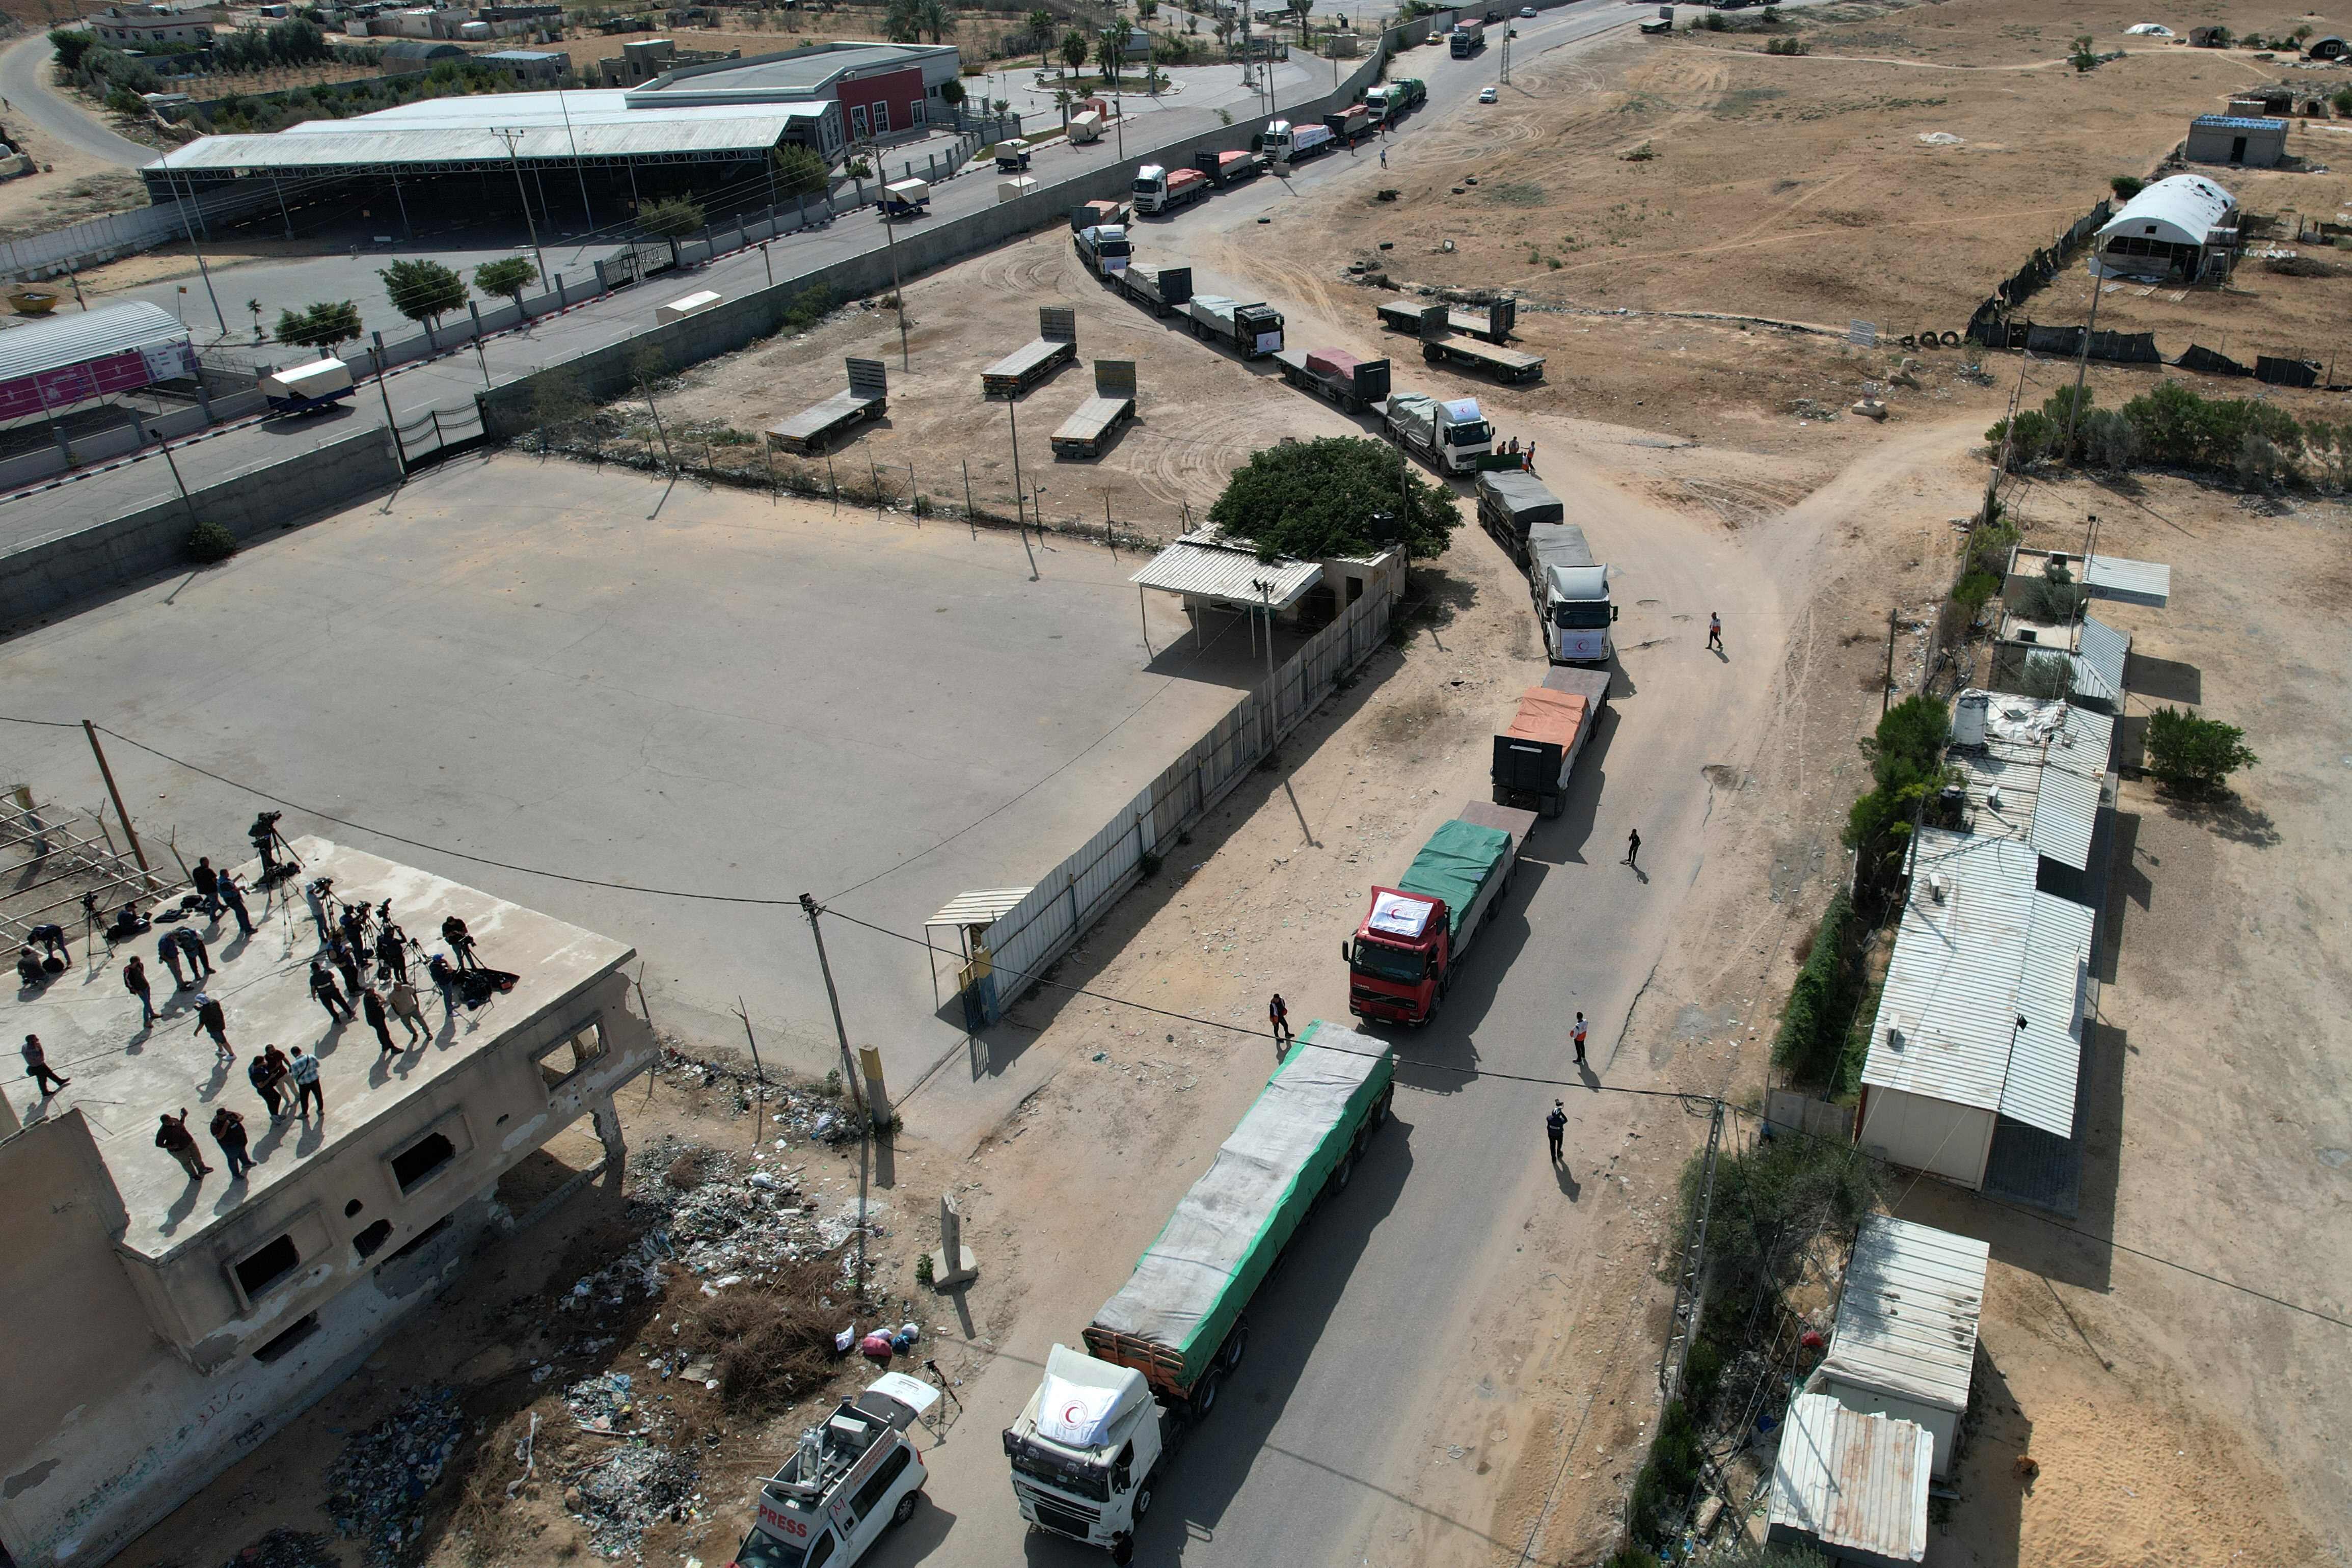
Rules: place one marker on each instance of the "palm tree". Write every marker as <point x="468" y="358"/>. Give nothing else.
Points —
<point x="1041" y="24"/>
<point x="934" y="17"/>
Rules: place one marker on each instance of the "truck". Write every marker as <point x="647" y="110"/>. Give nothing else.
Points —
<point x="1091" y="1446"/>
<point x="1158" y="290"/>
<point x="1011" y="155"/>
<point x="1570" y="590"/>
<point x="1536" y="755"/>
<point x="1253" y="331"/>
<point x="1286" y="144"/>
<point x="1056" y="343"/>
<point x="1449" y="434"/>
<point x="1105" y="250"/>
<point x="1355" y="384"/>
<point x="1352" y="124"/>
<point x="1512" y="502"/>
<point x="1229" y="168"/>
<point x="1099" y="213"/>
<point x="1414" y="936"/>
<point x="1468" y="38"/>
<point x="846" y="1482"/>
<point x="1088" y="431"/>
<point x="1163" y="190"/>
<point x="300" y="388"/>
<point x="812" y="431"/>
<point x="1085" y="126"/>
<point x="906" y="198"/>
<point x="1389" y="102"/>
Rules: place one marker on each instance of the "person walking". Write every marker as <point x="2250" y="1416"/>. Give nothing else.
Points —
<point x="1555" y="1129"/>
<point x="1277" y="1012"/>
<point x="228" y="1131"/>
<point x="405" y="1007"/>
<point x="192" y="948"/>
<point x="1634" y="848"/>
<point x="207" y="883"/>
<point x="213" y="1020"/>
<point x="1385" y="156"/>
<point x="282" y="1080"/>
<point x="307" y="1091"/>
<point x="372" y="1006"/>
<point x="1531" y="457"/>
<point x="1576" y="1033"/>
<point x="36" y="1066"/>
<point x="1714" y="631"/>
<point x="134" y="980"/>
<point x="461" y="942"/>
<point x="167" y="948"/>
<point x="323" y="986"/>
<point x="259" y="1073"/>
<point x="234" y="897"/>
<point x="173" y="1137"/>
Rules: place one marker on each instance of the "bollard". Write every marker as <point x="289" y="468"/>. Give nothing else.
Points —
<point x="877" y="1099"/>
<point x="953" y="1263"/>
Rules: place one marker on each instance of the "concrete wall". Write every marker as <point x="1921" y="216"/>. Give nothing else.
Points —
<point x="43" y="577"/>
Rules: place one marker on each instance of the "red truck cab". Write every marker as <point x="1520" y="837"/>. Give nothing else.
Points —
<point x="1398" y="960"/>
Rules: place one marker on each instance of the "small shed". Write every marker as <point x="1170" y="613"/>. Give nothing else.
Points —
<point x="2238" y="141"/>
<point x="1851" y="1485"/>
<point x="48" y="366"/>
<point x="2184" y="226"/>
<point x="2328" y="49"/>
<point x="528" y="65"/>
<point x="403" y="55"/>
<point x="1905" y="1341"/>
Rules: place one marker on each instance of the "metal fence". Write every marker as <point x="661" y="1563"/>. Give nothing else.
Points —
<point x="437" y="432"/>
<point x="1028" y="938"/>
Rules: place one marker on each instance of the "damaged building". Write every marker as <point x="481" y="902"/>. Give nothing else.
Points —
<point x="163" y="1326"/>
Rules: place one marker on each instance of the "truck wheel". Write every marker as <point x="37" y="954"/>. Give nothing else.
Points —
<point x="1122" y="1550"/>
<point x="1380" y="1106"/>
<point x="1236" y="1345"/>
<point x="1429" y="352"/>
<point x="1345" y="1174"/>
<point x="1143" y="1495"/>
<point x="1204" y="1397"/>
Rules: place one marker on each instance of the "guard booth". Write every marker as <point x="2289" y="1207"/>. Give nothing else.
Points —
<point x="965" y="922"/>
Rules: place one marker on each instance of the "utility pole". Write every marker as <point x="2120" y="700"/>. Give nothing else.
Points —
<point x="810" y="907"/>
<point x="1265" y="596"/>
<point x="511" y="135"/>
<point x="1016" y="421"/>
<point x="1888" y="684"/>
<point x="890" y="242"/>
<point x="581" y="169"/>
<point x="146" y="877"/>
<point x="2082" y="365"/>
<point x="190" y="229"/>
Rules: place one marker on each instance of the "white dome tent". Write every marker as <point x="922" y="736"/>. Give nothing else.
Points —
<point x="2182" y="227"/>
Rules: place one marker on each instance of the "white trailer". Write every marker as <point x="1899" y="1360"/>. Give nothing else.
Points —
<point x="300" y="388"/>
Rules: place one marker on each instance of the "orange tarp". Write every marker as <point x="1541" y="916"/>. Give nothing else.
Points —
<point x="1553" y="718"/>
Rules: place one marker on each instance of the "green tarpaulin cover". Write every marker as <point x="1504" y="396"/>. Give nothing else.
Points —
<point x="1455" y="864"/>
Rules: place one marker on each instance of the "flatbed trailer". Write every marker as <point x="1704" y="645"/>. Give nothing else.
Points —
<point x="1086" y="433"/>
<point x="1056" y="344"/>
<point x="1491" y="324"/>
<point x="1509" y="365"/>
<point x="1158" y="290"/>
<point x="813" y="431"/>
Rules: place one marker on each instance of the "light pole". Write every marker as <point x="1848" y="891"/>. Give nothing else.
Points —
<point x="1265" y="596"/>
<point x="191" y="229"/>
<point x="511" y="135"/>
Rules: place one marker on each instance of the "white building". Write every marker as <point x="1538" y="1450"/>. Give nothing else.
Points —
<point x="1851" y="1486"/>
<point x="1905" y="1341"/>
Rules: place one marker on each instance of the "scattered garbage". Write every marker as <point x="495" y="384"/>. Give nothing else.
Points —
<point x="375" y="1490"/>
<point x="603" y="1404"/>
<point x="1941" y="138"/>
<point x="628" y="1491"/>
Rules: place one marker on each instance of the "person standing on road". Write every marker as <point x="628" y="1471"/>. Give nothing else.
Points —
<point x="1576" y="1033"/>
<point x="1555" y="1129"/>
<point x="307" y="1091"/>
<point x="36" y="1067"/>
<point x="1714" y="631"/>
<point x="134" y="980"/>
<point x="1277" y="1012"/>
<point x="228" y="1131"/>
<point x="1634" y="848"/>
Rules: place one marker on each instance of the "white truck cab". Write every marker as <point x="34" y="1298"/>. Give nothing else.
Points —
<point x="849" y="1480"/>
<point x="1085" y="1452"/>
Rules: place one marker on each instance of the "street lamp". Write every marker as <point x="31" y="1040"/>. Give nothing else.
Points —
<point x="511" y="136"/>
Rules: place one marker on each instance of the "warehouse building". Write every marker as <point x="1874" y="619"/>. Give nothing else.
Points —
<point x="2236" y="140"/>
<point x="885" y="91"/>
<point x="168" y="1325"/>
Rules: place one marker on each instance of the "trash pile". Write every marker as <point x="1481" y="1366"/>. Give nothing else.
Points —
<point x="730" y="1217"/>
<point x="375" y="1492"/>
<point x="602" y="1402"/>
<point x="627" y="1491"/>
<point x="284" y="1548"/>
<point x="800" y="1114"/>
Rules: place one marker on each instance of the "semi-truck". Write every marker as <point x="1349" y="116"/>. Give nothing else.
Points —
<point x="1286" y="144"/>
<point x="1104" y="250"/>
<point x="1391" y="100"/>
<point x="1536" y="752"/>
<point x="1414" y="936"/>
<point x="1091" y="1447"/>
<point x="1570" y="590"/>
<point x="1468" y="38"/>
<point x="1450" y="435"/>
<point x="1355" y="384"/>
<point x="1512" y="502"/>
<point x="1352" y="124"/>
<point x="848" y="1481"/>
<point x="1254" y="330"/>
<point x="1158" y="290"/>
<point x="1229" y="168"/>
<point x="1163" y="190"/>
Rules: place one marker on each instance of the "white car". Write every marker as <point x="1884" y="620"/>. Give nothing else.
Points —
<point x="1527" y="10"/>
<point x="1487" y="95"/>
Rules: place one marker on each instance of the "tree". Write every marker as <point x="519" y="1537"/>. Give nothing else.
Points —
<point x="71" y="46"/>
<point x="1041" y="27"/>
<point x="672" y="219"/>
<point x="1110" y="52"/>
<point x="903" y="21"/>
<point x="2127" y="186"/>
<point x="1299" y="9"/>
<point x="1074" y="49"/>
<point x="799" y="171"/>
<point x="951" y="93"/>
<point x="933" y="14"/>
<point x="1336" y="495"/>
<point x="322" y="326"/>
<point x="254" y="306"/>
<point x="2082" y="58"/>
<point x="507" y="279"/>
<point x="423" y="291"/>
<point x="2194" y="757"/>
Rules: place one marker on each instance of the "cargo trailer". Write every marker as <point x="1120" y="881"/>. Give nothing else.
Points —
<point x="1355" y="384"/>
<point x="813" y="431"/>
<point x="1056" y="344"/>
<point x="1086" y="433"/>
<point x="1536" y="755"/>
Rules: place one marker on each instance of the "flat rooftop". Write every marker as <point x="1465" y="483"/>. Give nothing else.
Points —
<point x="801" y="70"/>
<point x="124" y="1077"/>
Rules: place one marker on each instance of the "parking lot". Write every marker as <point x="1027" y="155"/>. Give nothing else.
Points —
<point x="514" y="660"/>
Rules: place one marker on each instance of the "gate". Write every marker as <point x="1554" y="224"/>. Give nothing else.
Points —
<point x="436" y="433"/>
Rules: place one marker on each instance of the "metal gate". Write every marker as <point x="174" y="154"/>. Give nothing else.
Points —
<point x="436" y="433"/>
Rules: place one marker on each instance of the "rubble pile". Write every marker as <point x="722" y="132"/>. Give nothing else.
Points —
<point x="740" y="1217"/>
<point x="809" y="1115"/>
<point x="602" y="1403"/>
<point x="375" y="1492"/>
<point x="627" y="1491"/>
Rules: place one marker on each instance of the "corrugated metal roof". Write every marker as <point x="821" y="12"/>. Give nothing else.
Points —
<point x="1209" y="568"/>
<point x="984" y="908"/>
<point x="2046" y="1060"/>
<point x="63" y="341"/>
<point x="1906" y="1321"/>
<point x="2130" y="581"/>
<point x="805" y="73"/>
<point x="1852" y="1481"/>
<point x="2181" y="210"/>
<point x="2102" y="649"/>
<point x="2039" y="776"/>
<point x="2065" y="813"/>
<point x="2237" y="123"/>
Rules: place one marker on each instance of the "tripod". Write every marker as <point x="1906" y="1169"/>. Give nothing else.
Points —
<point x="279" y="861"/>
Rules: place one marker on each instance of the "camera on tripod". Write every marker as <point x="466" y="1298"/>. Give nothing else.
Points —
<point x="277" y="861"/>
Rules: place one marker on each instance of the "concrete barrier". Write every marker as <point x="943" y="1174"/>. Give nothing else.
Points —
<point x="44" y="576"/>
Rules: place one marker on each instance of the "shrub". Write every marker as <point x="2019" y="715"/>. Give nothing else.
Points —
<point x="2261" y="465"/>
<point x="1712" y="21"/>
<point x="1974" y="590"/>
<point x="2194" y="757"/>
<point x="209" y="542"/>
<point x="2053" y="596"/>
<point x="2127" y="186"/>
<point x="1788" y="47"/>
<point x="2031" y="436"/>
<point x="671" y="219"/>
<point x="2342" y="102"/>
<point x="71" y="46"/>
<point x="2108" y="441"/>
<point x="808" y="307"/>
<point x="122" y="100"/>
<point x="2045" y="676"/>
<point x="1812" y="1027"/>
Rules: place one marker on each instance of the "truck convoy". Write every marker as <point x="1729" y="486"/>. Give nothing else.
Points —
<point x="1413" y="938"/>
<point x="1570" y="588"/>
<point x="1104" y="250"/>
<point x="1158" y="290"/>
<point x="1355" y="384"/>
<point x="1229" y="168"/>
<point x="1088" y="1450"/>
<point x="1468" y="38"/>
<point x="1450" y="435"/>
<point x="848" y="1481"/>
<point x="1254" y="330"/>
<point x="1352" y="124"/>
<point x="1161" y="190"/>
<point x="1391" y="100"/>
<point x="1286" y="144"/>
<point x="1535" y="756"/>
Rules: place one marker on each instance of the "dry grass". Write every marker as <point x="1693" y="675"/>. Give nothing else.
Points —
<point x="772" y="1344"/>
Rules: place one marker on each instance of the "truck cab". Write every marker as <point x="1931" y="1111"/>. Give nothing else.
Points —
<point x="1400" y="958"/>
<point x="1086" y="1451"/>
<point x="1107" y="249"/>
<point x="1576" y="614"/>
<point x="849" y="1480"/>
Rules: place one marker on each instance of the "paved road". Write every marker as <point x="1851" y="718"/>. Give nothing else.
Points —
<point x="451" y="382"/>
<point x="24" y="76"/>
